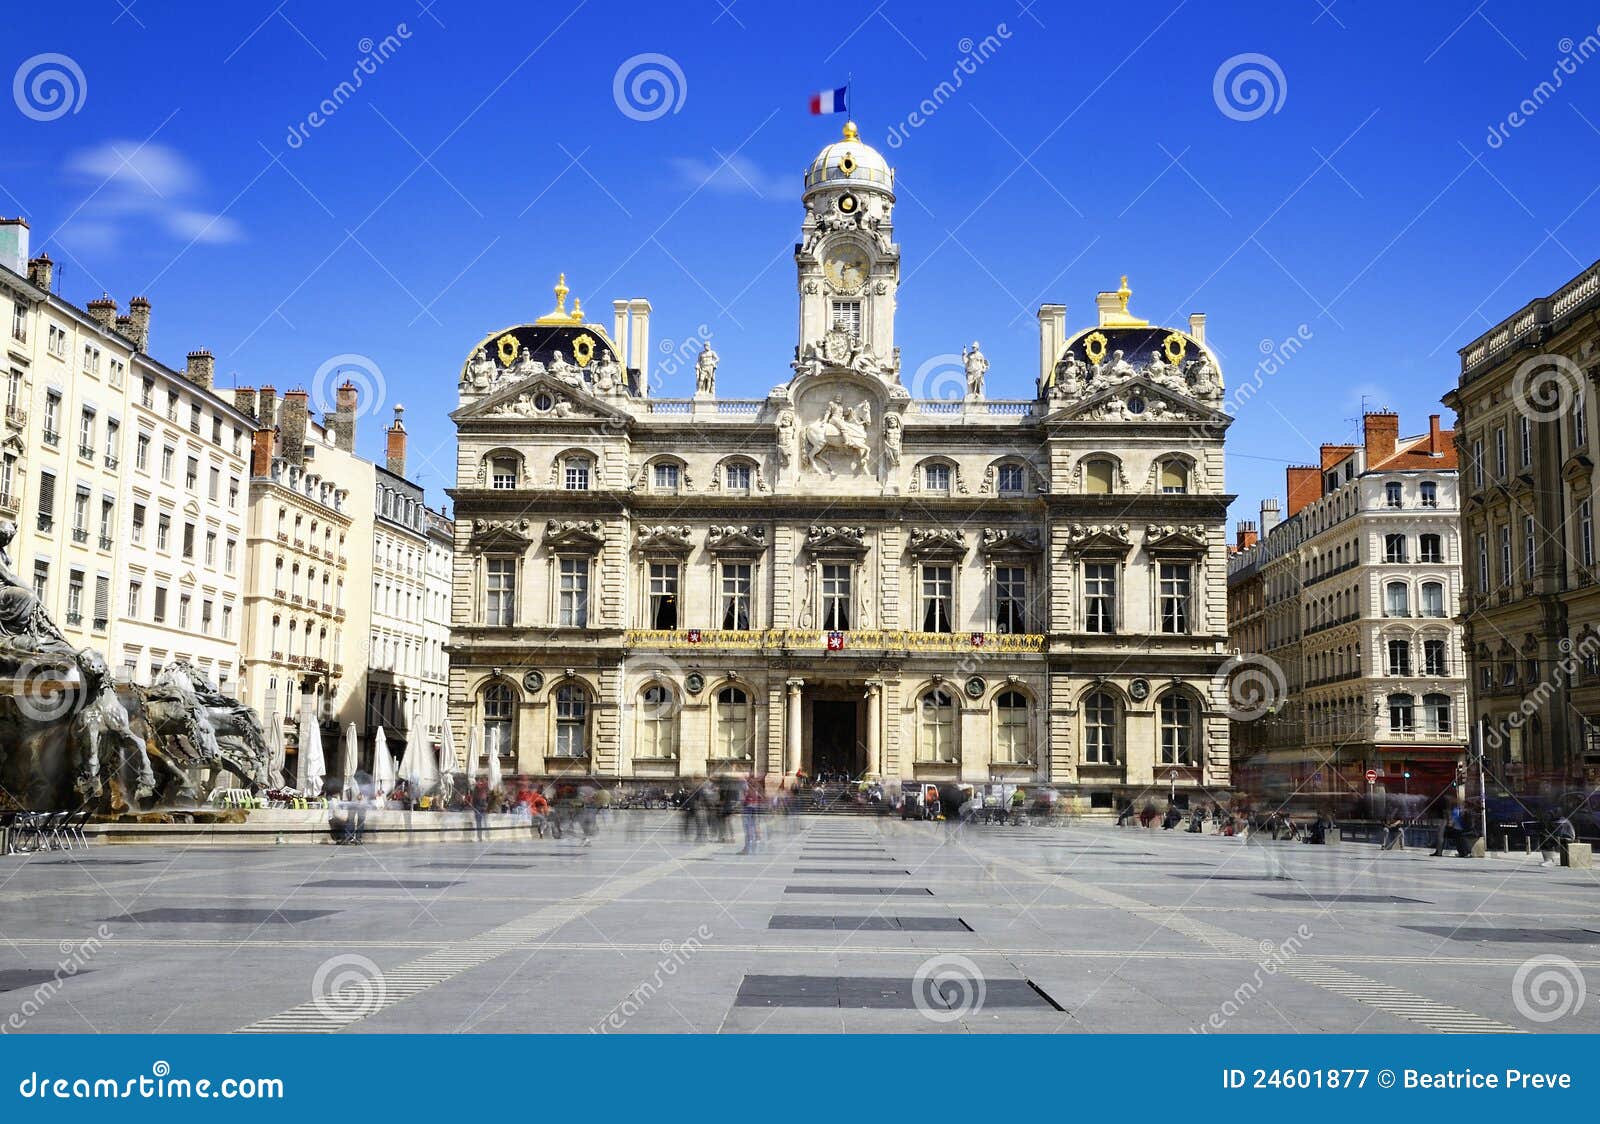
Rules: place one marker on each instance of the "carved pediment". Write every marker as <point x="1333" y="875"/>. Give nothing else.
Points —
<point x="1137" y="400"/>
<point x="539" y="397"/>
<point x="836" y="540"/>
<point x="666" y="539"/>
<point x="937" y="542"/>
<point x="736" y="540"/>
<point x="575" y="534"/>
<point x="1088" y="537"/>
<point x="1175" y="536"/>
<point x="1578" y="467"/>
<point x="513" y="532"/>
<point x="1007" y="540"/>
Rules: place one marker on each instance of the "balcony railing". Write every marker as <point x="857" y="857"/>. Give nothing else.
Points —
<point x="774" y="639"/>
<point x="80" y="534"/>
<point x="105" y="542"/>
<point x="52" y="437"/>
<point x="112" y="461"/>
<point x="9" y="503"/>
<point x="74" y="619"/>
<point x="86" y="452"/>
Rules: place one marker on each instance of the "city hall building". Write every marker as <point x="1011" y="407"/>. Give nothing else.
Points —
<point x="840" y="577"/>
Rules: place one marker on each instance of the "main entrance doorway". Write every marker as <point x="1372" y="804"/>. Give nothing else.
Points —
<point x="835" y="749"/>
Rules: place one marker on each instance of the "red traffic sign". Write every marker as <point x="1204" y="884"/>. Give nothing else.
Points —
<point x="1372" y="775"/>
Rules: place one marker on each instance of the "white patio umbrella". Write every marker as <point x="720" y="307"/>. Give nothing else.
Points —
<point x="472" y="755"/>
<point x="276" y="754"/>
<point x="494" y="761"/>
<point x="382" y="765"/>
<point x="347" y="767"/>
<point x="311" y="766"/>
<point x="448" y="763"/>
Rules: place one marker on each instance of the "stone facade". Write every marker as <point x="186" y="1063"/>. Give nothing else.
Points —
<point x="1344" y="615"/>
<point x="850" y="574"/>
<point x="1531" y="607"/>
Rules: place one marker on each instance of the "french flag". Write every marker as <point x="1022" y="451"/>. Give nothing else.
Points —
<point x="829" y="101"/>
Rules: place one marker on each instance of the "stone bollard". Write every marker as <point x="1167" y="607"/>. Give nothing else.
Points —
<point x="1577" y="855"/>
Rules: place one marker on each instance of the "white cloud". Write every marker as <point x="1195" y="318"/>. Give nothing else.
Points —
<point x="735" y="176"/>
<point x="129" y="181"/>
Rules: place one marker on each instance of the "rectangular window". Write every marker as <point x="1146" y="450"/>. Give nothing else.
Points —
<point x="108" y="522"/>
<point x="1483" y="563"/>
<point x="230" y="551"/>
<point x="52" y="418"/>
<point x="233" y="493"/>
<point x="1586" y="532"/>
<point x="1530" y="548"/>
<point x="184" y="600"/>
<point x="574" y="593"/>
<point x="191" y="474"/>
<point x="1500" y="453"/>
<point x="666" y="478"/>
<point x="113" y="442"/>
<point x="135" y="599"/>
<point x="227" y="622"/>
<point x="1011" y="479"/>
<point x="1175" y="593"/>
<point x="214" y="484"/>
<point x="102" y="602"/>
<point x="936" y="477"/>
<point x="206" y="609"/>
<point x="737" y="477"/>
<point x="1524" y="442"/>
<point x="86" y="434"/>
<point x="75" y="598"/>
<point x="501" y="589"/>
<point x="1580" y="421"/>
<point x="47" y="500"/>
<point x="1430" y="548"/>
<point x="736" y="584"/>
<point x="19" y="322"/>
<point x="1477" y="463"/>
<point x="846" y="315"/>
<point x="1402" y="719"/>
<point x="1435" y="660"/>
<point x="1393" y="494"/>
<point x="1429" y="492"/>
<point x="169" y="457"/>
<point x="158" y="612"/>
<point x="1010" y="599"/>
<point x="577" y="475"/>
<point x="41" y="580"/>
<point x="1399" y="657"/>
<point x="211" y="550"/>
<point x="80" y="516"/>
<point x="836" y="597"/>
<point x="1505" y="555"/>
<point x="664" y="595"/>
<point x="1394" y="548"/>
<point x="188" y="541"/>
<point x="138" y="524"/>
<point x="938" y="594"/>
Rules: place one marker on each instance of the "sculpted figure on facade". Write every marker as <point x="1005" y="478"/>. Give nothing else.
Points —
<point x="786" y="436"/>
<point x="705" y="370"/>
<point x="479" y="374"/>
<point x="524" y="366"/>
<point x="607" y="375"/>
<point x="892" y="430"/>
<point x="839" y="428"/>
<point x="976" y="365"/>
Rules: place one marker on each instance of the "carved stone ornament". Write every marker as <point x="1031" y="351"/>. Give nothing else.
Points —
<point x="926" y="542"/>
<point x="1084" y="536"/>
<point x="849" y="540"/>
<point x="1175" y="535"/>
<point x="580" y="533"/>
<point x="516" y="528"/>
<point x="730" y="539"/>
<point x="995" y="540"/>
<point x="672" y="538"/>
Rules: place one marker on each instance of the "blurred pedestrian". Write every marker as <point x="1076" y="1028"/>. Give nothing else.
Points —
<point x="1558" y="833"/>
<point x="480" y="809"/>
<point x="755" y="801"/>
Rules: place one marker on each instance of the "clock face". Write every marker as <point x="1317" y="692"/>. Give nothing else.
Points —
<point x="846" y="267"/>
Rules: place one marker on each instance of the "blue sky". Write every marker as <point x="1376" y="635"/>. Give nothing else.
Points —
<point x="488" y="152"/>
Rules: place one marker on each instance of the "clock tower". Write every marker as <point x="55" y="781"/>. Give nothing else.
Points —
<point x="847" y="263"/>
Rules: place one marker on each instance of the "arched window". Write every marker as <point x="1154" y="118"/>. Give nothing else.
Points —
<point x="1396" y="600"/>
<point x="498" y="708"/>
<point x="1402" y="715"/>
<point x="1177" y="729"/>
<point x="1099" y="729"/>
<point x="658" y="722"/>
<point x="1436" y="713"/>
<point x="572" y="721"/>
<point x="1432" y="599"/>
<point x="576" y="477"/>
<point x="938" y="727"/>
<point x="1012" y="740"/>
<point x="732" y="732"/>
<point x="1174" y="476"/>
<point x="1099" y="476"/>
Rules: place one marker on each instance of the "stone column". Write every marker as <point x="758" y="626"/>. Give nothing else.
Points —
<point x="875" y="726"/>
<point x="791" y="745"/>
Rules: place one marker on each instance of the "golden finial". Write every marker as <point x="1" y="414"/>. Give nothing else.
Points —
<point x="562" y="291"/>
<point x="1124" y="293"/>
<point x="577" y="308"/>
<point x="850" y="131"/>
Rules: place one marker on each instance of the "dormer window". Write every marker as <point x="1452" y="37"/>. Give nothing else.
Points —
<point x="665" y="478"/>
<point x="1393" y="493"/>
<point x="1174" y="477"/>
<point x="1099" y="476"/>
<point x="936" y="477"/>
<point x="1429" y="492"/>
<point x="577" y="476"/>
<point x="503" y="472"/>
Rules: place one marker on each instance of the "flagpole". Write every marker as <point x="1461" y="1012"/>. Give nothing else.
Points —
<point x="849" y="96"/>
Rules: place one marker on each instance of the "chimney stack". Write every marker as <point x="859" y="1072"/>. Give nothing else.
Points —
<point x="103" y="311"/>
<point x="1435" y="443"/>
<point x="201" y="368"/>
<point x="14" y="242"/>
<point x="1381" y="434"/>
<point x="1247" y="535"/>
<point x="345" y="401"/>
<point x="139" y="324"/>
<point x="639" y="342"/>
<point x="267" y="407"/>
<point x="1270" y="515"/>
<point x="395" y="444"/>
<point x="244" y="400"/>
<point x="619" y="329"/>
<point x="1304" y="484"/>
<point x="1197" y="326"/>
<point x="261" y="453"/>
<point x="41" y="272"/>
<point x="292" y="426"/>
<point x="1052" y="335"/>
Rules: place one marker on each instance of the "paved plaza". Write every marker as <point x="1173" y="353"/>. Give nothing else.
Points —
<point x="838" y="924"/>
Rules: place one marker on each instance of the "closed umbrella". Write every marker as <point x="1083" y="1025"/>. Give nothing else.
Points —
<point x="276" y="753"/>
<point x="448" y="764"/>
<point x="427" y="764"/>
<point x="494" y="761"/>
<point x="383" y="777"/>
<point x="347" y="767"/>
<point x="409" y="764"/>
<point x="472" y="755"/>
<point x="312" y="767"/>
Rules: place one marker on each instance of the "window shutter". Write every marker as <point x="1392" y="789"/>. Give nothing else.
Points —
<point x="47" y="493"/>
<point x="102" y="598"/>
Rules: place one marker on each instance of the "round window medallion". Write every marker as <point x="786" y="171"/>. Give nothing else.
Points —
<point x="532" y="681"/>
<point x="975" y="687"/>
<point x="694" y="683"/>
<point x="1139" y="689"/>
<point x="1136" y="405"/>
<point x="542" y="402"/>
